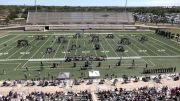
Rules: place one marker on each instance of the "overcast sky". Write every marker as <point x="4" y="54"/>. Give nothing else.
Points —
<point x="93" y="2"/>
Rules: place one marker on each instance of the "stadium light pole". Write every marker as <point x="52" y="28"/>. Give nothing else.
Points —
<point x="34" y="21"/>
<point x="126" y="10"/>
<point x="35" y="5"/>
<point x="125" y="6"/>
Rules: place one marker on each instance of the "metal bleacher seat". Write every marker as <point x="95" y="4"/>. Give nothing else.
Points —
<point x="79" y="17"/>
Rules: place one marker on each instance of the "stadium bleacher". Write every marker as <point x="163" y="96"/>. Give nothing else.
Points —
<point x="40" y="21"/>
<point x="141" y="94"/>
<point x="41" y="96"/>
<point x="46" y="18"/>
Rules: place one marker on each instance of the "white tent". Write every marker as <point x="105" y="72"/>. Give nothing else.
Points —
<point x="64" y="75"/>
<point x="94" y="74"/>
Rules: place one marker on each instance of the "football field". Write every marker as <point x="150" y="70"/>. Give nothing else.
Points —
<point x="157" y="52"/>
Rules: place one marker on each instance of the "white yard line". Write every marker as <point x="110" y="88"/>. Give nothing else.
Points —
<point x="11" y="47"/>
<point x="67" y="48"/>
<point x="158" y="48"/>
<point x="160" y="59"/>
<point x="76" y="46"/>
<point x="17" y="66"/>
<point x="111" y="47"/>
<point x="25" y="51"/>
<point x="36" y="52"/>
<point x="9" y="40"/>
<point x="29" y="49"/>
<point x="107" y="66"/>
<point x="14" y="52"/>
<point x="175" y="56"/>
<point x="103" y="49"/>
<point x="52" y="43"/>
<point x="166" y="48"/>
<point x="94" y="49"/>
<point x="6" y="47"/>
<point x="151" y="62"/>
<point x="57" y="50"/>
<point x="108" y="58"/>
<point x="117" y="58"/>
<point x="117" y="45"/>
<point x="85" y="47"/>
<point x="144" y="46"/>
<point x="138" y="54"/>
<point x="135" y="52"/>
<point x="8" y="63"/>
<point x="145" y="53"/>
<point x="163" y="43"/>
<point x="45" y="34"/>
<point x="155" y="48"/>
<point x="40" y="47"/>
<point x="31" y="67"/>
<point x="4" y="36"/>
<point x="92" y="46"/>
<point x="13" y="60"/>
<point x="140" y="49"/>
<point x="17" y="50"/>
<point x="175" y="41"/>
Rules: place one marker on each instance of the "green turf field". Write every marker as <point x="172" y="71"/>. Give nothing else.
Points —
<point x="156" y="52"/>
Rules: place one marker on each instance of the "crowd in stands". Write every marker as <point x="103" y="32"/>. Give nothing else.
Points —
<point x="63" y="83"/>
<point x="165" y="93"/>
<point x="172" y="18"/>
<point x="141" y="94"/>
<point x="41" y="96"/>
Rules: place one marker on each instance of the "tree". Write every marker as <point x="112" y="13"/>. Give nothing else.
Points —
<point x="12" y="15"/>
